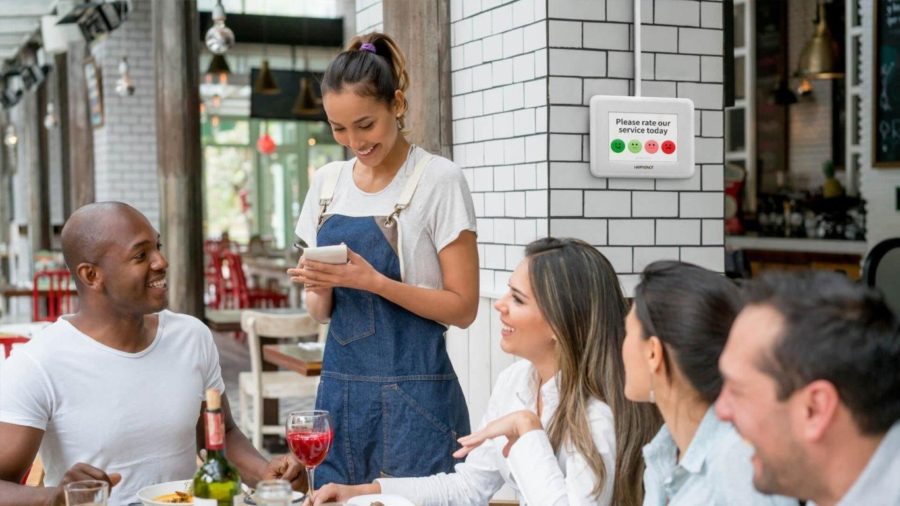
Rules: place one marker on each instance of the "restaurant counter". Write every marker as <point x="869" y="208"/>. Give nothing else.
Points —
<point x="777" y="253"/>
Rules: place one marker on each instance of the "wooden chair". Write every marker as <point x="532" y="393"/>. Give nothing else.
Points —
<point x="7" y="342"/>
<point x="237" y="293"/>
<point x="256" y="384"/>
<point x="59" y="299"/>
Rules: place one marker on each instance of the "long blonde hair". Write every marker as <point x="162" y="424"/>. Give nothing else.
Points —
<point x="579" y="295"/>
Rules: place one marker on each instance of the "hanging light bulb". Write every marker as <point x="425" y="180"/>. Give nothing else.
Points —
<point x="804" y="88"/>
<point x="265" y="83"/>
<point x="50" y="119"/>
<point x="124" y="85"/>
<point x="11" y="139"/>
<point x="219" y="38"/>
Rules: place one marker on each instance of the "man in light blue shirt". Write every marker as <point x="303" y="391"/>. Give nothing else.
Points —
<point x="812" y="383"/>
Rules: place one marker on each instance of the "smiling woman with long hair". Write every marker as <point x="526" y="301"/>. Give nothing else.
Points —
<point x="569" y="434"/>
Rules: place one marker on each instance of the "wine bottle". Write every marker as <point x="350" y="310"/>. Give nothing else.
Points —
<point x="217" y="482"/>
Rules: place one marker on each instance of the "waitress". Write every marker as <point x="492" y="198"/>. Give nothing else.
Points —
<point x="408" y="221"/>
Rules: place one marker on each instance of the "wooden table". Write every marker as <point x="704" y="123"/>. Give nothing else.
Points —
<point x="292" y="357"/>
<point x="9" y="291"/>
<point x="229" y="320"/>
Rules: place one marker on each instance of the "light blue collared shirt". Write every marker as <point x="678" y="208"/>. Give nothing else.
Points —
<point x="715" y="469"/>
<point x="879" y="483"/>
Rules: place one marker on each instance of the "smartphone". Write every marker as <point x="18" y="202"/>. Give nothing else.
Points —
<point x="336" y="254"/>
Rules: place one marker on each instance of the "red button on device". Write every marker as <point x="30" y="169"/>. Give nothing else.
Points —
<point x="668" y="147"/>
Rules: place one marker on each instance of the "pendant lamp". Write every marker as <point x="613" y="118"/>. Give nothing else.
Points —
<point x="820" y="58"/>
<point x="306" y="104"/>
<point x="218" y="66"/>
<point x="265" y="82"/>
<point x="265" y="144"/>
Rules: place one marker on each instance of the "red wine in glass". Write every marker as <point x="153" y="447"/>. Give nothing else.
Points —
<point x="310" y="447"/>
<point x="309" y="436"/>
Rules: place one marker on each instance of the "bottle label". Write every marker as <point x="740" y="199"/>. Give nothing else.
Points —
<point x="215" y="431"/>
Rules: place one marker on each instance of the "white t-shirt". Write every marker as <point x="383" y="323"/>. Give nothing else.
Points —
<point x="440" y="210"/>
<point x="541" y="477"/>
<point x="129" y="413"/>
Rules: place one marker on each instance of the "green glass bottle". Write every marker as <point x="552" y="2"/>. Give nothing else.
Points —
<point x="217" y="482"/>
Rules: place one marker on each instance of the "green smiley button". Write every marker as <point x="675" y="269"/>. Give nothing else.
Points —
<point x="635" y="146"/>
<point x="617" y="145"/>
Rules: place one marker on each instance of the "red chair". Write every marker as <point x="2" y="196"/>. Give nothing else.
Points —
<point x="58" y="287"/>
<point x="233" y="286"/>
<point x="7" y="343"/>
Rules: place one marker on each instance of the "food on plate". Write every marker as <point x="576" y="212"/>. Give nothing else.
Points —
<point x="176" y="497"/>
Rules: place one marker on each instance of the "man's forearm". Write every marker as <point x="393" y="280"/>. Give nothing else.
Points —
<point x="13" y="494"/>
<point x="244" y="456"/>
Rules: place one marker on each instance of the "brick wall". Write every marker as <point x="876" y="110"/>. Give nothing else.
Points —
<point x="125" y="146"/>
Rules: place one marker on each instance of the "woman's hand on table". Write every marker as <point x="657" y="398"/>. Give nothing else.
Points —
<point x="319" y="276"/>
<point x="333" y="492"/>
<point x="513" y="426"/>
<point x="81" y="472"/>
<point x="286" y="467"/>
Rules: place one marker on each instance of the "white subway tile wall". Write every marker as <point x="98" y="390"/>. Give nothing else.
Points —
<point x="636" y="220"/>
<point x="125" y="167"/>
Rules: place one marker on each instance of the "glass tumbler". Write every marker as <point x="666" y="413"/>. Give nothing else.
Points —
<point x="273" y="493"/>
<point x="87" y="493"/>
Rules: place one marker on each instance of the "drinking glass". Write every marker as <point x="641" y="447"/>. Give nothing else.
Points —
<point x="309" y="435"/>
<point x="273" y="493"/>
<point x="87" y="493"/>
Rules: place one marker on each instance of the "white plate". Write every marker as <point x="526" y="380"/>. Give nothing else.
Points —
<point x="386" y="499"/>
<point x="148" y="494"/>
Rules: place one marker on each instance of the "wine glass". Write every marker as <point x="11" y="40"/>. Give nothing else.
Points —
<point x="309" y="436"/>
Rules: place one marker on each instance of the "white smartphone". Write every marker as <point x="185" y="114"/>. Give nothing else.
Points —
<point x="336" y="254"/>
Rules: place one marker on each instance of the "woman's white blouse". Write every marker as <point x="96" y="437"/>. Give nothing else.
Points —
<point x="540" y="477"/>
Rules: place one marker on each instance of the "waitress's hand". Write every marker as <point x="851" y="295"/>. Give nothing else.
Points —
<point x="340" y="493"/>
<point x="300" y="273"/>
<point x="356" y="273"/>
<point x="513" y="426"/>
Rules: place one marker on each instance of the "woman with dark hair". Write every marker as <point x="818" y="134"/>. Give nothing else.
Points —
<point x="675" y="331"/>
<point x="569" y="436"/>
<point x="408" y="221"/>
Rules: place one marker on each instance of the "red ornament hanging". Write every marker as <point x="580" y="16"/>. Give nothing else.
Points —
<point x="265" y="144"/>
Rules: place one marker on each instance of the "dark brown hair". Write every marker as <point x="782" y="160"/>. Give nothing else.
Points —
<point x="379" y="74"/>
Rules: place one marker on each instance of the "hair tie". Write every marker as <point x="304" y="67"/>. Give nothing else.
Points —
<point x="368" y="46"/>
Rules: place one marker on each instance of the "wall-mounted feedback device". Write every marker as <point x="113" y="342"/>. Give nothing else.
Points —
<point x="642" y="137"/>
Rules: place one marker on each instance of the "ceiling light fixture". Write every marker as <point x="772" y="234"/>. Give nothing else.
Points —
<point x="219" y="38"/>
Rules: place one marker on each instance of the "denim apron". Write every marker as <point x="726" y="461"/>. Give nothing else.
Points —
<point x="395" y="402"/>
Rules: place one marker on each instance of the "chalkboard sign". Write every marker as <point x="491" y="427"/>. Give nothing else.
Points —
<point x="886" y="80"/>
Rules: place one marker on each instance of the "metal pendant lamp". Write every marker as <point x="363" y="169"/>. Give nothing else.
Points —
<point x="218" y="66"/>
<point x="820" y="58"/>
<point x="306" y="104"/>
<point x="265" y="82"/>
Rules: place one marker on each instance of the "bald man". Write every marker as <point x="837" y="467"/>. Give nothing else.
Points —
<point x="115" y="391"/>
